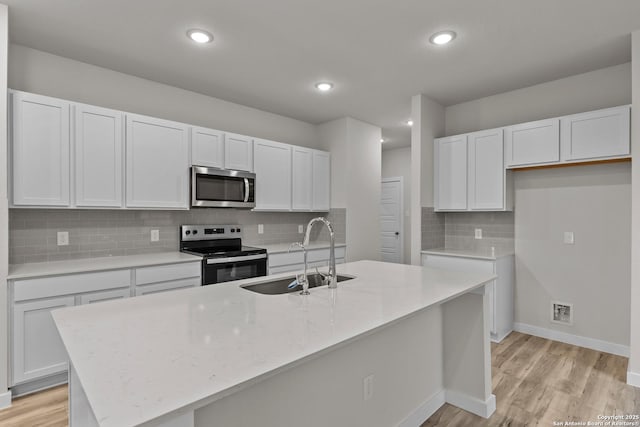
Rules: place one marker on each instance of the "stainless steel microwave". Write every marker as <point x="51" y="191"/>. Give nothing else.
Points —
<point x="221" y="188"/>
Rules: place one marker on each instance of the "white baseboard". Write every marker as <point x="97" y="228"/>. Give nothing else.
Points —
<point x="633" y="379"/>
<point x="5" y="399"/>
<point x="592" y="343"/>
<point x="471" y="404"/>
<point x="424" y="411"/>
<point x="499" y="338"/>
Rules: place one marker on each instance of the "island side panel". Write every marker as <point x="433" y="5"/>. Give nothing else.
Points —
<point x="405" y="359"/>
<point x="80" y="413"/>
<point x="467" y="353"/>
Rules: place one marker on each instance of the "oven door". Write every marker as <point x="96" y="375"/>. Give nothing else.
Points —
<point x="211" y="187"/>
<point x="219" y="270"/>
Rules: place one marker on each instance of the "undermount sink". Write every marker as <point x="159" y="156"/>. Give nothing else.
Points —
<point x="281" y="286"/>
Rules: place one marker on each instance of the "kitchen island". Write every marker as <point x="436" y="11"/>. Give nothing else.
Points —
<point x="388" y="347"/>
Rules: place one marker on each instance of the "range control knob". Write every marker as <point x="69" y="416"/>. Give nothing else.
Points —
<point x="238" y="230"/>
<point x="195" y="231"/>
<point x="233" y="230"/>
<point x="187" y="232"/>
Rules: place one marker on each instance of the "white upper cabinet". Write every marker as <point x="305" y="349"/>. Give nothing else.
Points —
<point x="321" y="193"/>
<point x="273" y="175"/>
<point x="302" y="178"/>
<point x="533" y="143"/>
<point x="40" y="150"/>
<point x="98" y="157"/>
<point x="450" y="164"/>
<point x="238" y="152"/>
<point x="157" y="163"/>
<point x="487" y="175"/>
<point x="597" y="134"/>
<point x="207" y="147"/>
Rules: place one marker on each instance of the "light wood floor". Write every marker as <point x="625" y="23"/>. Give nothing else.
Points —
<point x="536" y="382"/>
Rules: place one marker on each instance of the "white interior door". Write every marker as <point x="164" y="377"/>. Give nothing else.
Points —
<point x="391" y="220"/>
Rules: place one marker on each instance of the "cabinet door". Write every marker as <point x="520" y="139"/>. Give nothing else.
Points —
<point x="37" y="348"/>
<point x="451" y="173"/>
<point x="302" y="179"/>
<point x="157" y="163"/>
<point x="99" y="158"/>
<point x="321" y="194"/>
<point x="207" y="147"/>
<point x="238" y="152"/>
<point x="533" y="143"/>
<point x="167" y="286"/>
<point x="273" y="175"/>
<point x="597" y="134"/>
<point x="486" y="170"/>
<point x="40" y="150"/>
<point x="104" y="296"/>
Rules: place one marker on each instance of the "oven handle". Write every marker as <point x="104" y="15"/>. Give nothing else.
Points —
<point x="246" y="190"/>
<point x="235" y="259"/>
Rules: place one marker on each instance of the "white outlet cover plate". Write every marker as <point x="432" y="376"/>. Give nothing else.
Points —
<point x="478" y="233"/>
<point x="63" y="238"/>
<point x="301" y="229"/>
<point x="260" y="228"/>
<point x="569" y="238"/>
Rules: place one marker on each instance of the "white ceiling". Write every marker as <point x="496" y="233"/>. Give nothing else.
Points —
<point x="268" y="54"/>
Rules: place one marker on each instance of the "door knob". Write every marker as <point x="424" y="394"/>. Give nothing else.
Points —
<point x="397" y="233"/>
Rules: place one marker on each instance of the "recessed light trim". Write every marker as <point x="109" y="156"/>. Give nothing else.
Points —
<point x="442" y="37"/>
<point x="382" y="140"/>
<point x="200" y="36"/>
<point x="409" y="122"/>
<point x="324" y="86"/>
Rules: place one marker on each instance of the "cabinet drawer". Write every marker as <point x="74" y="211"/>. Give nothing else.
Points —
<point x="164" y="273"/>
<point x="70" y="284"/>
<point x="459" y="264"/>
<point x="313" y="255"/>
<point x="167" y="286"/>
<point x="104" y="296"/>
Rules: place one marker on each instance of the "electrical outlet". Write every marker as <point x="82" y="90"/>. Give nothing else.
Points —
<point x="155" y="235"/>
<point x="300" y="229"/>
<point x="367" y="387"/>
<point x="568" y="238"/>
<point x="63" y="238"/>
<point x="260" y="228"/>
<point x="478" y="234"/>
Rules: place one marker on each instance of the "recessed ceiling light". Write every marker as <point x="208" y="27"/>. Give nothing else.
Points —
<point x="200" y="36"/>
<point x="442" y="37"/>
<point x="410" y="122"/>
<point x="381" y="139"/>
<point x="324" y="86"/>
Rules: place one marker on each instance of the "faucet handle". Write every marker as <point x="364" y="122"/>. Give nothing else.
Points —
<point x="296" y="244"/>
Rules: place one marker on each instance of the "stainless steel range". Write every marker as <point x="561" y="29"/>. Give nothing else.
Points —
<point x="223" y="256"/>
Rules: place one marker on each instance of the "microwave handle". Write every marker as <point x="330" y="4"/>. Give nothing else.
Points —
<point x="246" y="190"/>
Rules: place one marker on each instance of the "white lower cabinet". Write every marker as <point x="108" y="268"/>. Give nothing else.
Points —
<point x="283" y="262"/>
<point x="37" y="348"/>
<point x="500" y="291"/>
<point x="37" y="354"/>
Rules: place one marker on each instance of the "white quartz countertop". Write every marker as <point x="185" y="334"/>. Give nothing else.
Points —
<point x="469" y="253"/>
<point x="141" y="359"/>
<point x="284" y="247"/>
<point x="42" y="269"/>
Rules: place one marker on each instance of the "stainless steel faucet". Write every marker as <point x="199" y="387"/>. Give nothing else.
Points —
<point x="331" y="277"/>
<point x="301" y="279"/>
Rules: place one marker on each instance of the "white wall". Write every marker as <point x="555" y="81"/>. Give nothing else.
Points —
<point x="39" y="72"/>
<point x="591" y="201"/>
<point x="608" y="87"/>
<point x="4" y="212"/>
<point x="633" y="376"/>
<point x="355" y="182"/>
<point x="593" y="274"/>
<point x="428" y="123"/>
<point x="397" y="162"/>
<point x="333" y="136"/>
